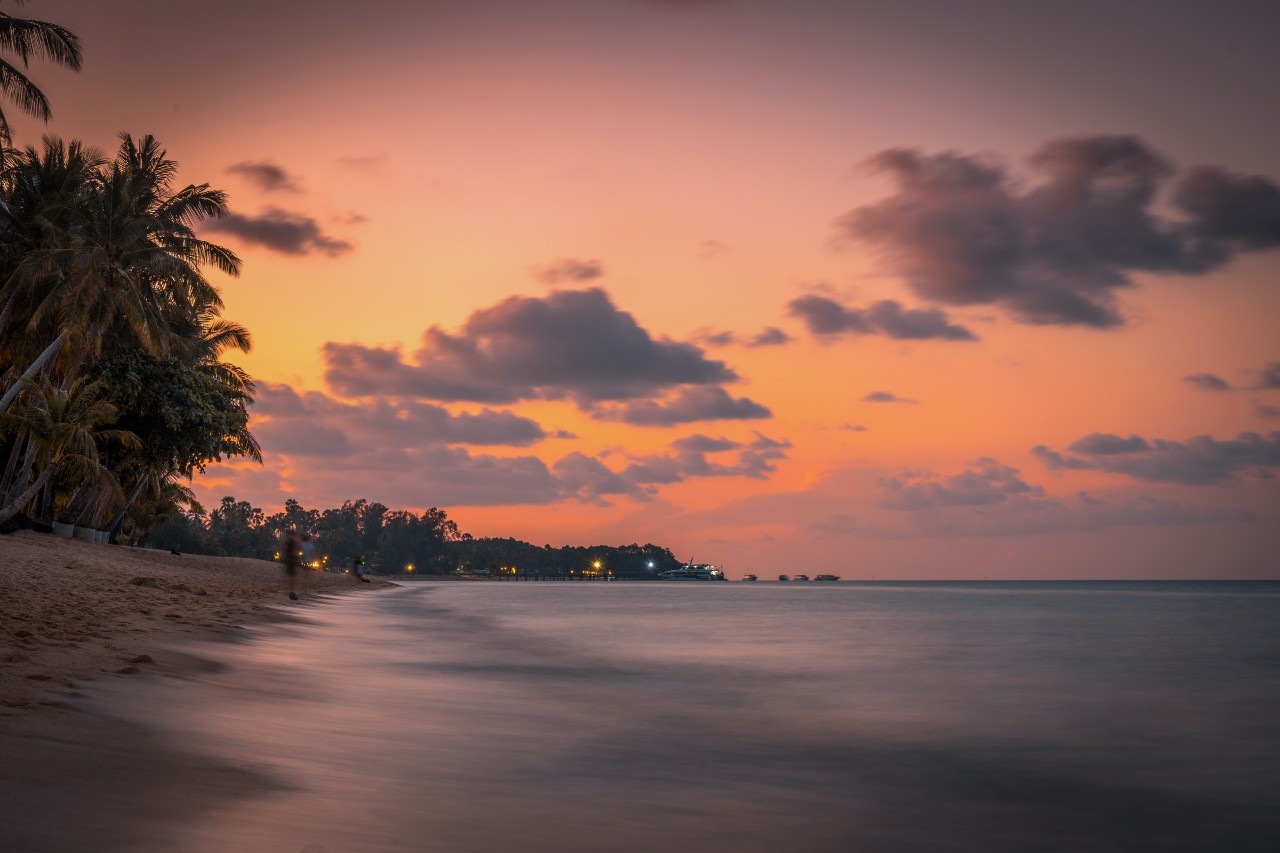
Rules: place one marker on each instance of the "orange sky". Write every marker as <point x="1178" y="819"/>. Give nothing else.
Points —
<point x="695" y="162"/>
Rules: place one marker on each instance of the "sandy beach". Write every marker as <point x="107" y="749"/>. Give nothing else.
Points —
<point x="74" y="613"/>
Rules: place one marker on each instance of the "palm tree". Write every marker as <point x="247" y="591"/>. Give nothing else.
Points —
<point x="31" y="40"/>
<point x="122" y="259"/>
<point x="40" y="190"/>
<point x="64" y="429"/>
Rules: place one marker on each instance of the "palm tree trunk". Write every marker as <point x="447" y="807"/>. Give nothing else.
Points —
<point x="118" y="520"/>
<point x="9" y="396"/>
<point x="23" y="499"/>
<point x="6" y="482"/>
<point x="25" y="475"/>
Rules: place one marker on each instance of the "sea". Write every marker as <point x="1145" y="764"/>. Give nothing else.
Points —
<point x="709" y="717"/>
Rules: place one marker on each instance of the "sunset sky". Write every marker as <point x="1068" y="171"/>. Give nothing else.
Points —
<point x="881" y="289"/>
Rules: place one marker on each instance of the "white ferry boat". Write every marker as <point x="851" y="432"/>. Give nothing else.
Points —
<point x="693" y="572"/>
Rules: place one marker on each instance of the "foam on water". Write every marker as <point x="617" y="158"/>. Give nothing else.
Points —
<point x="739" y="717"/>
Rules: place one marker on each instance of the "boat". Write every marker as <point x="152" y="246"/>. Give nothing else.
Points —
<point x="748" y="577"/>
<point x="801" y="578"/>
<point x="693" y="572"/>
<point x="783" y="578"/>
<point x="817" y="578"/>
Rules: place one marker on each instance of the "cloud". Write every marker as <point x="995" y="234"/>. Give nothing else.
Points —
<point x="1207" y="382"/>
<point x="574" y="344"/>
<point x="712" y="248"/>
<point x="267" y="176"/>
<point x="887" y="397"/>
<point x="317" y="424"/>
<point x="1022" y="515"/>
<point x="853" y="427"/>
<point x="825" y="317"/>
<point x="1264" y="410"/>
<point x="688" y="405"/>
<point x="691" y="459"/>
<point x="570" y="270"/>
<point x="770" y="336"/>
<point x="987" y="482"/>
<point x="281" y="231"/>
<point x="1199" y="461"/>
<point x="408" y="450"/>
<point x="1269" y="376"/>
<point x="962" y="232"/>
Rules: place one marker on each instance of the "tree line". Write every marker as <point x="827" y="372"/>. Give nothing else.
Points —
<point x="391" y="542"/>
<point x="113" y="390"/>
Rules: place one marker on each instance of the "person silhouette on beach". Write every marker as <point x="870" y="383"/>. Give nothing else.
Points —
<point x="308" y="558"/>
<point x="357" y="569"/>
<point x="291" y="556"/>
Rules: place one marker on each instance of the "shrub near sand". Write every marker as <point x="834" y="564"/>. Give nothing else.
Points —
<point x="72" y="611"/>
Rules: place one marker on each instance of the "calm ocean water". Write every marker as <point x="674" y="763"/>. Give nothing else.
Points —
<point x="738" y="717"/>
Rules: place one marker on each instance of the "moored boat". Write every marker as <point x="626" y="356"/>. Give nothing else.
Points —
<point x="748" y="577"/>
<point x="826" y="578"/>
<point x="802" y="578"/>
<point x="783" y="578"/>
<point x="692" y="572"/>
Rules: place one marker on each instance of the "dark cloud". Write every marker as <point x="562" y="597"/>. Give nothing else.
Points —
<point x="826" y="317"/>
<point x="1264" y="410"/>
<point x="1232" y="213"/>
<point x="571" y="270"/>
<point x="316" y="424"/>
<point x="268" y="177"/>
<point x="887" y="397"/>
<point x="691" y="459"/>
<point x="281" y="231"/>
<point x="356" y="370"/>
<point x="304" y="438"/>
<point x="988" y="482"/>
<point x="1199" y="461"/>
<point x="569" y="344"/>
<point x="770" y="336"/>
<point x="1102" y="444"/>
<point x="962" y="232"/>
<point x="688" y="405"/>
<point x="704" y="444"/>
<point x="455" y="476"/>
<point x="1207" y="381"/>
<point x="1269" y="376"/>
<point x="853" y="427"/>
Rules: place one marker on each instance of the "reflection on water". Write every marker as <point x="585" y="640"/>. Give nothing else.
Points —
<point x="640" y="717"/>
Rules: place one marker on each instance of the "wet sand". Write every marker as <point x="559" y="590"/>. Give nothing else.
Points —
<point x="74" y="613"/>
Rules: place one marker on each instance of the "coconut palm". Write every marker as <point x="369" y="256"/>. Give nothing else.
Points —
<point x="27" y="40"/>
<point x="64" y="429"/>
<point x="40" y="189"/>
<point x="120" y="261"/>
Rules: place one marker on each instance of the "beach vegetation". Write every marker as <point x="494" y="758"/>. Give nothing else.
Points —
<point x="103" y="287"/>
